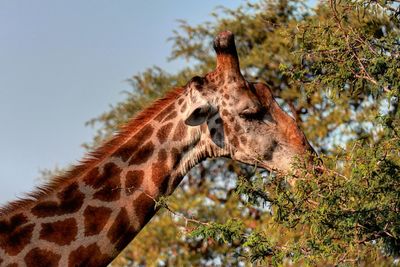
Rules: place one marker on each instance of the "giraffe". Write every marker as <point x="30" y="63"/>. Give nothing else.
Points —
<point x="88" y="215"/>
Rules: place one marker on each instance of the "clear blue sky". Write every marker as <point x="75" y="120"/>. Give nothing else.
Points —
<point x="63" y="63"/>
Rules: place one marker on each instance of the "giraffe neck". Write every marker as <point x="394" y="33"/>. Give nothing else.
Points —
<point x="87" y="218"/>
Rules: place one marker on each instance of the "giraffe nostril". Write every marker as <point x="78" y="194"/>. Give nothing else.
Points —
<point x="269" y="152"/>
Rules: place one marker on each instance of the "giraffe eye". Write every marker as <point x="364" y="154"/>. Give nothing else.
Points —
<point x="253" y="114"/>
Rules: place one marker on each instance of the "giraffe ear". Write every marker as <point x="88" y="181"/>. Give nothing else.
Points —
<point x="199" y="115"/>
<point x="207" y="113"/>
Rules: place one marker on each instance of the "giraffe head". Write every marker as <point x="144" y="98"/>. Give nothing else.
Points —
<point x="240" y="118"/>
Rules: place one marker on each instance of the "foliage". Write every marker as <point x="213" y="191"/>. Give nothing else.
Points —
<point x="335" y="67"/>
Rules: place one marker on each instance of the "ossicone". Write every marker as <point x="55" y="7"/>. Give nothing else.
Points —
<point x="227" y="57"/>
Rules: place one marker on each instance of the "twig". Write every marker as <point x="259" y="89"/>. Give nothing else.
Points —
<point x="165" y="205"/>
<point x="324" y="169"/>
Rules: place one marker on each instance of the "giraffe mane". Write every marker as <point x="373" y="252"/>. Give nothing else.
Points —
<point x="97" y="155"/>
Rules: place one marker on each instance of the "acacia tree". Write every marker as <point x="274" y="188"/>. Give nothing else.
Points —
<point x="335" y="67"/>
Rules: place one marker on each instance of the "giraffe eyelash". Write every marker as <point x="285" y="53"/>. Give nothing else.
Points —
<point x="253" y="114"/>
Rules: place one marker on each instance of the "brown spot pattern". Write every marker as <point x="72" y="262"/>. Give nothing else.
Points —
<point x="109" y="170"/>
<point x="144" y="208"/>
<point x="109" y="183"/>
<point x="95" y="219"/>
<point x="15" y="234"/>
<point x="176" y="182"/>
<point x="183" y="108"/>
<point x="180" y="101"/>
<point x="133" y="180"/>
<point x="227" y="130"/>
<point x="121" y="231"/>
<point x="71" y="200"/>
<point x="41" y="258"/>
<point x="119" y="227"/>
<point x="164" y="113"/>
<point x="235" y="141"/>
<point x="163" y="133"/>
<point x="243" y="140"/>
<point x="162" y="156"/>
<point x="91" y="178"/>
<point x="126" y="151"/>
<point x="143" y="154"/>
<point x="176" y="157"/>
<point x="15" y="221"/>
<point x="111" y="192"/>
<point x="60" y="232"/>
<point x="237" y="127"/>
<point x="89" y="256"/>
<point x="159" y="173"/>
<point x="171" y="116"/>
<point x="11" y="264"/>
<point x="180" y="132"/>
